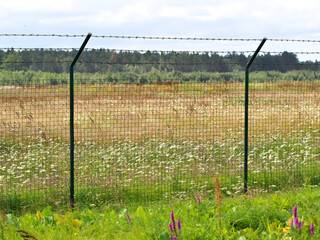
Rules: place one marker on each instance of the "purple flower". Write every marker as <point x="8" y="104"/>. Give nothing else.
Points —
<point x="198" y="199"/>
<point x="128" y="217"/>
<point x="312" y="229"/>
<point x="172" y="216"/>
<point x="170" y="236"/>
<point x="171" y="227"/>
<point x="295" y="210"/>
<point x="174" y="238"/>
<point x="179" y="225"/>
<point x="173" y="222"/>
<point x="296" y="221"/>
<point x="291" y="224"/>
<point x="300" y="225"/>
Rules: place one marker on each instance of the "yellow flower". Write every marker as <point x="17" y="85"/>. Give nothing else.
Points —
<point x="76" y="223"/>
<point x="286" y="230"/>
<point x="39" y="215"/>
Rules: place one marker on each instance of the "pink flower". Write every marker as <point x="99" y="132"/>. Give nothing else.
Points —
<point x="179" y="225"/>
<point x="312" y="229"/>
<point x="128" y="217"/>
<point x="300" y="225"/>
<point x="172" y="216"/>
<point x="198" y="199"/>
<point x="295" y="210"/>
<point x="171" y="227"/>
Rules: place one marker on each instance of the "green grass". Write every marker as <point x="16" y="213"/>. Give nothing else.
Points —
<point x="35" y="174"/>
<point x="244" y="217"/>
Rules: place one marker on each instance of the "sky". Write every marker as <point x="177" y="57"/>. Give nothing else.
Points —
<point x="285" y="19"/>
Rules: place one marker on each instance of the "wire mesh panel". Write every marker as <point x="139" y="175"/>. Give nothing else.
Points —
<point x="284" y="127"/>
<point x="34" y="156"/>
<point x="158" y="140"/>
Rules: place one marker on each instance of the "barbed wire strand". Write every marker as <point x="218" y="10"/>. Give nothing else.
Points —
<point x="160" y="51"/>
<point x="157" y="38"/>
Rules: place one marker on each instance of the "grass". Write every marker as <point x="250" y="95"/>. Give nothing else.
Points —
<point x="244" y="217"/>
<point x="37" y="173"/>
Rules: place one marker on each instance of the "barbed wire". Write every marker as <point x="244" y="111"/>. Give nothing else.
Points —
<point x="157" y="37"/>
<point x="41" y="35"/>
<point x="68" y="49"/>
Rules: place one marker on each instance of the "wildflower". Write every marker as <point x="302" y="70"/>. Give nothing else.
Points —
<point x="179" y="225"/>
<point x="285" y="230"/>
<point x="173" y="222"/>
<point x="312" y="229"/>
<point x="198" y="199"/>
<point x="296" y="221"/>
<point x="300" y="225"/>
<point x="172" y="216"/>
<point x="174" y="238"/>
<point x="291" y="224"/>
<point x="295" y="210"/>
<point x="171" y="227"/>
<point x="128" y="217"/>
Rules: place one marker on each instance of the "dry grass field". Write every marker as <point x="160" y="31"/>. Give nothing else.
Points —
<point x="165" y="111"/>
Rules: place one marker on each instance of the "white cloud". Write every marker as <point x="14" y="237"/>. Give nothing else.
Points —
<point x="21" y="6"/>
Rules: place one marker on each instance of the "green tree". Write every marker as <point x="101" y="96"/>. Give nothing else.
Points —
<point x="13" y="61"/>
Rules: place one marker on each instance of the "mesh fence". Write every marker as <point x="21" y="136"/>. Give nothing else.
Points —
<point x="153" y="139"/>
<point x="157" y="141"/>
<point x="34" y="155"/>
<point x="284" y="133"/>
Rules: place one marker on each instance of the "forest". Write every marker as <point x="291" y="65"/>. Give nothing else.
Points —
<point x="100" y="66"/>
<point x="104" y="60"/>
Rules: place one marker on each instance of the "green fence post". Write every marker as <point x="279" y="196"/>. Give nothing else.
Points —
<point x="246" y="114"/>
<point x="72" y="119"/>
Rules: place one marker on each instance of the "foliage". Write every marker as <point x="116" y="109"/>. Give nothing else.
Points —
<point x="101" y="60"/>
<point x="30" y="77"/>
<point x="265" y="217"/>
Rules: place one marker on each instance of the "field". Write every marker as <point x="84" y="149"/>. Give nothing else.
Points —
<point x="149" y="142"/>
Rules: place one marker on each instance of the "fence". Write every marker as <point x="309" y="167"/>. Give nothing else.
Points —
<point x="156" y="139"/>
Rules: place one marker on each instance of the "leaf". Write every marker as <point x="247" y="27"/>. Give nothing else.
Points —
<point x="141" y="213"/>
<point x="87" y="220"/>
<point x="164" y="236"/>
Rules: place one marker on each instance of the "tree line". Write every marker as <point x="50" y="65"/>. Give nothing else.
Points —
<point x="107" y="61"/>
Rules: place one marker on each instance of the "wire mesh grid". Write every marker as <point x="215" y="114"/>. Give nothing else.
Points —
<point x="156" y="141"/>
<point x="284" y="127"/>
<point x="34" y="155"/>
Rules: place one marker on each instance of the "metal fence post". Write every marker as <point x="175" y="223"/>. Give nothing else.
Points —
<point x="72" y="119"/>
<point x="246" y="114"/>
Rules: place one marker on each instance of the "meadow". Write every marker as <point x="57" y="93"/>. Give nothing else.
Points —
<point x="290" y="215"/>
<point x="151" y="142"/>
